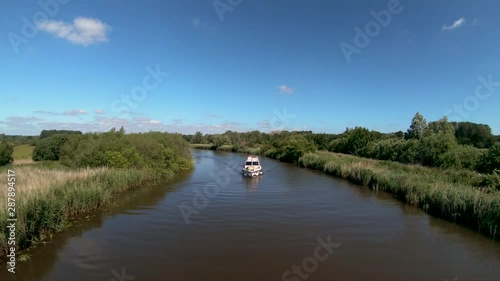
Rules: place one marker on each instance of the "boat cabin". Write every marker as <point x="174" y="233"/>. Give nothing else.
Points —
<point x="252" y="161"/>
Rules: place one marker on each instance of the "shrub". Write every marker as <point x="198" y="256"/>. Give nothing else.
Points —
<point x="6" y="151"/>
<point x="220" y="140"/>
<point x="389" y="149"/>
<point x="49" y="148"/>
<point x="115" y="159"/>
<point x="490" y="160"/>
<point x="409" y="152"/>
<point x="433" y="146"/>
<point x="491" y="182"/>
<point x="161" y="153"/>
<point x="338" y="145"/>
<point x="461" y="157"/>
<point x="292" y="148"/>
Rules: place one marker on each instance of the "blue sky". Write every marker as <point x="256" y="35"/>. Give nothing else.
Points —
<point x="247" y="65"/>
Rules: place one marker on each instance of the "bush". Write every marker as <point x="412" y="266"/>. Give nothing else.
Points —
<point x="292" y="148"/>
<point x="357" y="139"/>
<point x="161" y="153"/>
<point x="220" y="140"/>
<point x="490" y="182"/>
<point x="338" y="145"/>
<point x="6" y="151"/>
<point x="389" y="149"/>
<point x="490" y="160"/>
<point x="461" y="157"/>
<point x="49" y="148"/>
<point x="432" y="147"/>
<point x="409" y="152"/>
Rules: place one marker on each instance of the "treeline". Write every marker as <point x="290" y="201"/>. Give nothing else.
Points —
<point x="48" y="133"/>
<point x="442" y="144"/>
<point x="159" y="153"/>
<point x="155" y="152"/>
<point x="85" y="172"/>
<point x="18" y="140"/>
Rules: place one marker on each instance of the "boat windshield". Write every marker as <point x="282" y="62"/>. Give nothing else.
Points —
<point x="256" y="163"/>
<point x="248" y="163"/>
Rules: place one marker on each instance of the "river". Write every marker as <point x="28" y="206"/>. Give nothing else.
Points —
<point x="288" y="224"/>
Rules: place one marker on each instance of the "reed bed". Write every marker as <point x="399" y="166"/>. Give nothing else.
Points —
<point x="46" y="197"/>
<point x="448" y="194"/>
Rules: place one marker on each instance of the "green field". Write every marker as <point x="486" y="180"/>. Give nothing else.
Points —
<point x="23" y="152"/>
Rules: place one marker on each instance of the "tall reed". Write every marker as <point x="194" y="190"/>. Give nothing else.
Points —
<point x="447" y="194"/>
<point x="46" y="198"/>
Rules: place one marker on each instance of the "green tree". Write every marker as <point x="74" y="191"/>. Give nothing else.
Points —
<point x="417" y="128"/>
<point x="6" y="151"/>
<point x="48" y="133"/>
<point x="293" y="147"/>
<point x="490" y="160"/>
<point x="160" y="153"/>
<point x="478" y="135"/>
<point x="197" y="138"/>
<point x="220" y="140"/>
<point x="49" y="148"/>
<point x="234" y="137"/>
<point x="440" y="126"/>
<point x="356" y="140"/>
<point x="461" y="157"/>
<point x="116" y="160"/>
<point x="432" y="147"/>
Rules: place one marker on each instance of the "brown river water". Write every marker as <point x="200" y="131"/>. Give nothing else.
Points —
<point x="288" y="224"/>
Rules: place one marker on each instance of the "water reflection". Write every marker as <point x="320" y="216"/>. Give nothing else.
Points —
<point x="252" y="183"/>
<point x="77" y="244"/>
<point x="271" y="221"/>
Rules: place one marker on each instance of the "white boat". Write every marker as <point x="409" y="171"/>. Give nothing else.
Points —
<point x="252" y="167"/>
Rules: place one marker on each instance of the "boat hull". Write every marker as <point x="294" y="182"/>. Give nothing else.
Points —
<point x="250" y="174"/>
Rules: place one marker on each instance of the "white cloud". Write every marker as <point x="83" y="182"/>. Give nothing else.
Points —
<point x="456" y="24"/>
<point x="145" y="120"/>
<point x="286" y="89"/>
<point x="83" y="31"/>
<point x="75" y="112"/>
<point x="67" y="112"/>
<point x="31" y="125"/>
<point x="264" y="123"/>
<point x="45" y="112"/>
<point x="99" y="111"/>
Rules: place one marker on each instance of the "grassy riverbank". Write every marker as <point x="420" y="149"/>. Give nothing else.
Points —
<point x="449" y="194"/>
<point x="46" y="197"/>
<point x="92" y="170"/>
<point x="463" y="196"/>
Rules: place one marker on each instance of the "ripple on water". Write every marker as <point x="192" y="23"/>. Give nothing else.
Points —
<point x="255" y="229"/>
